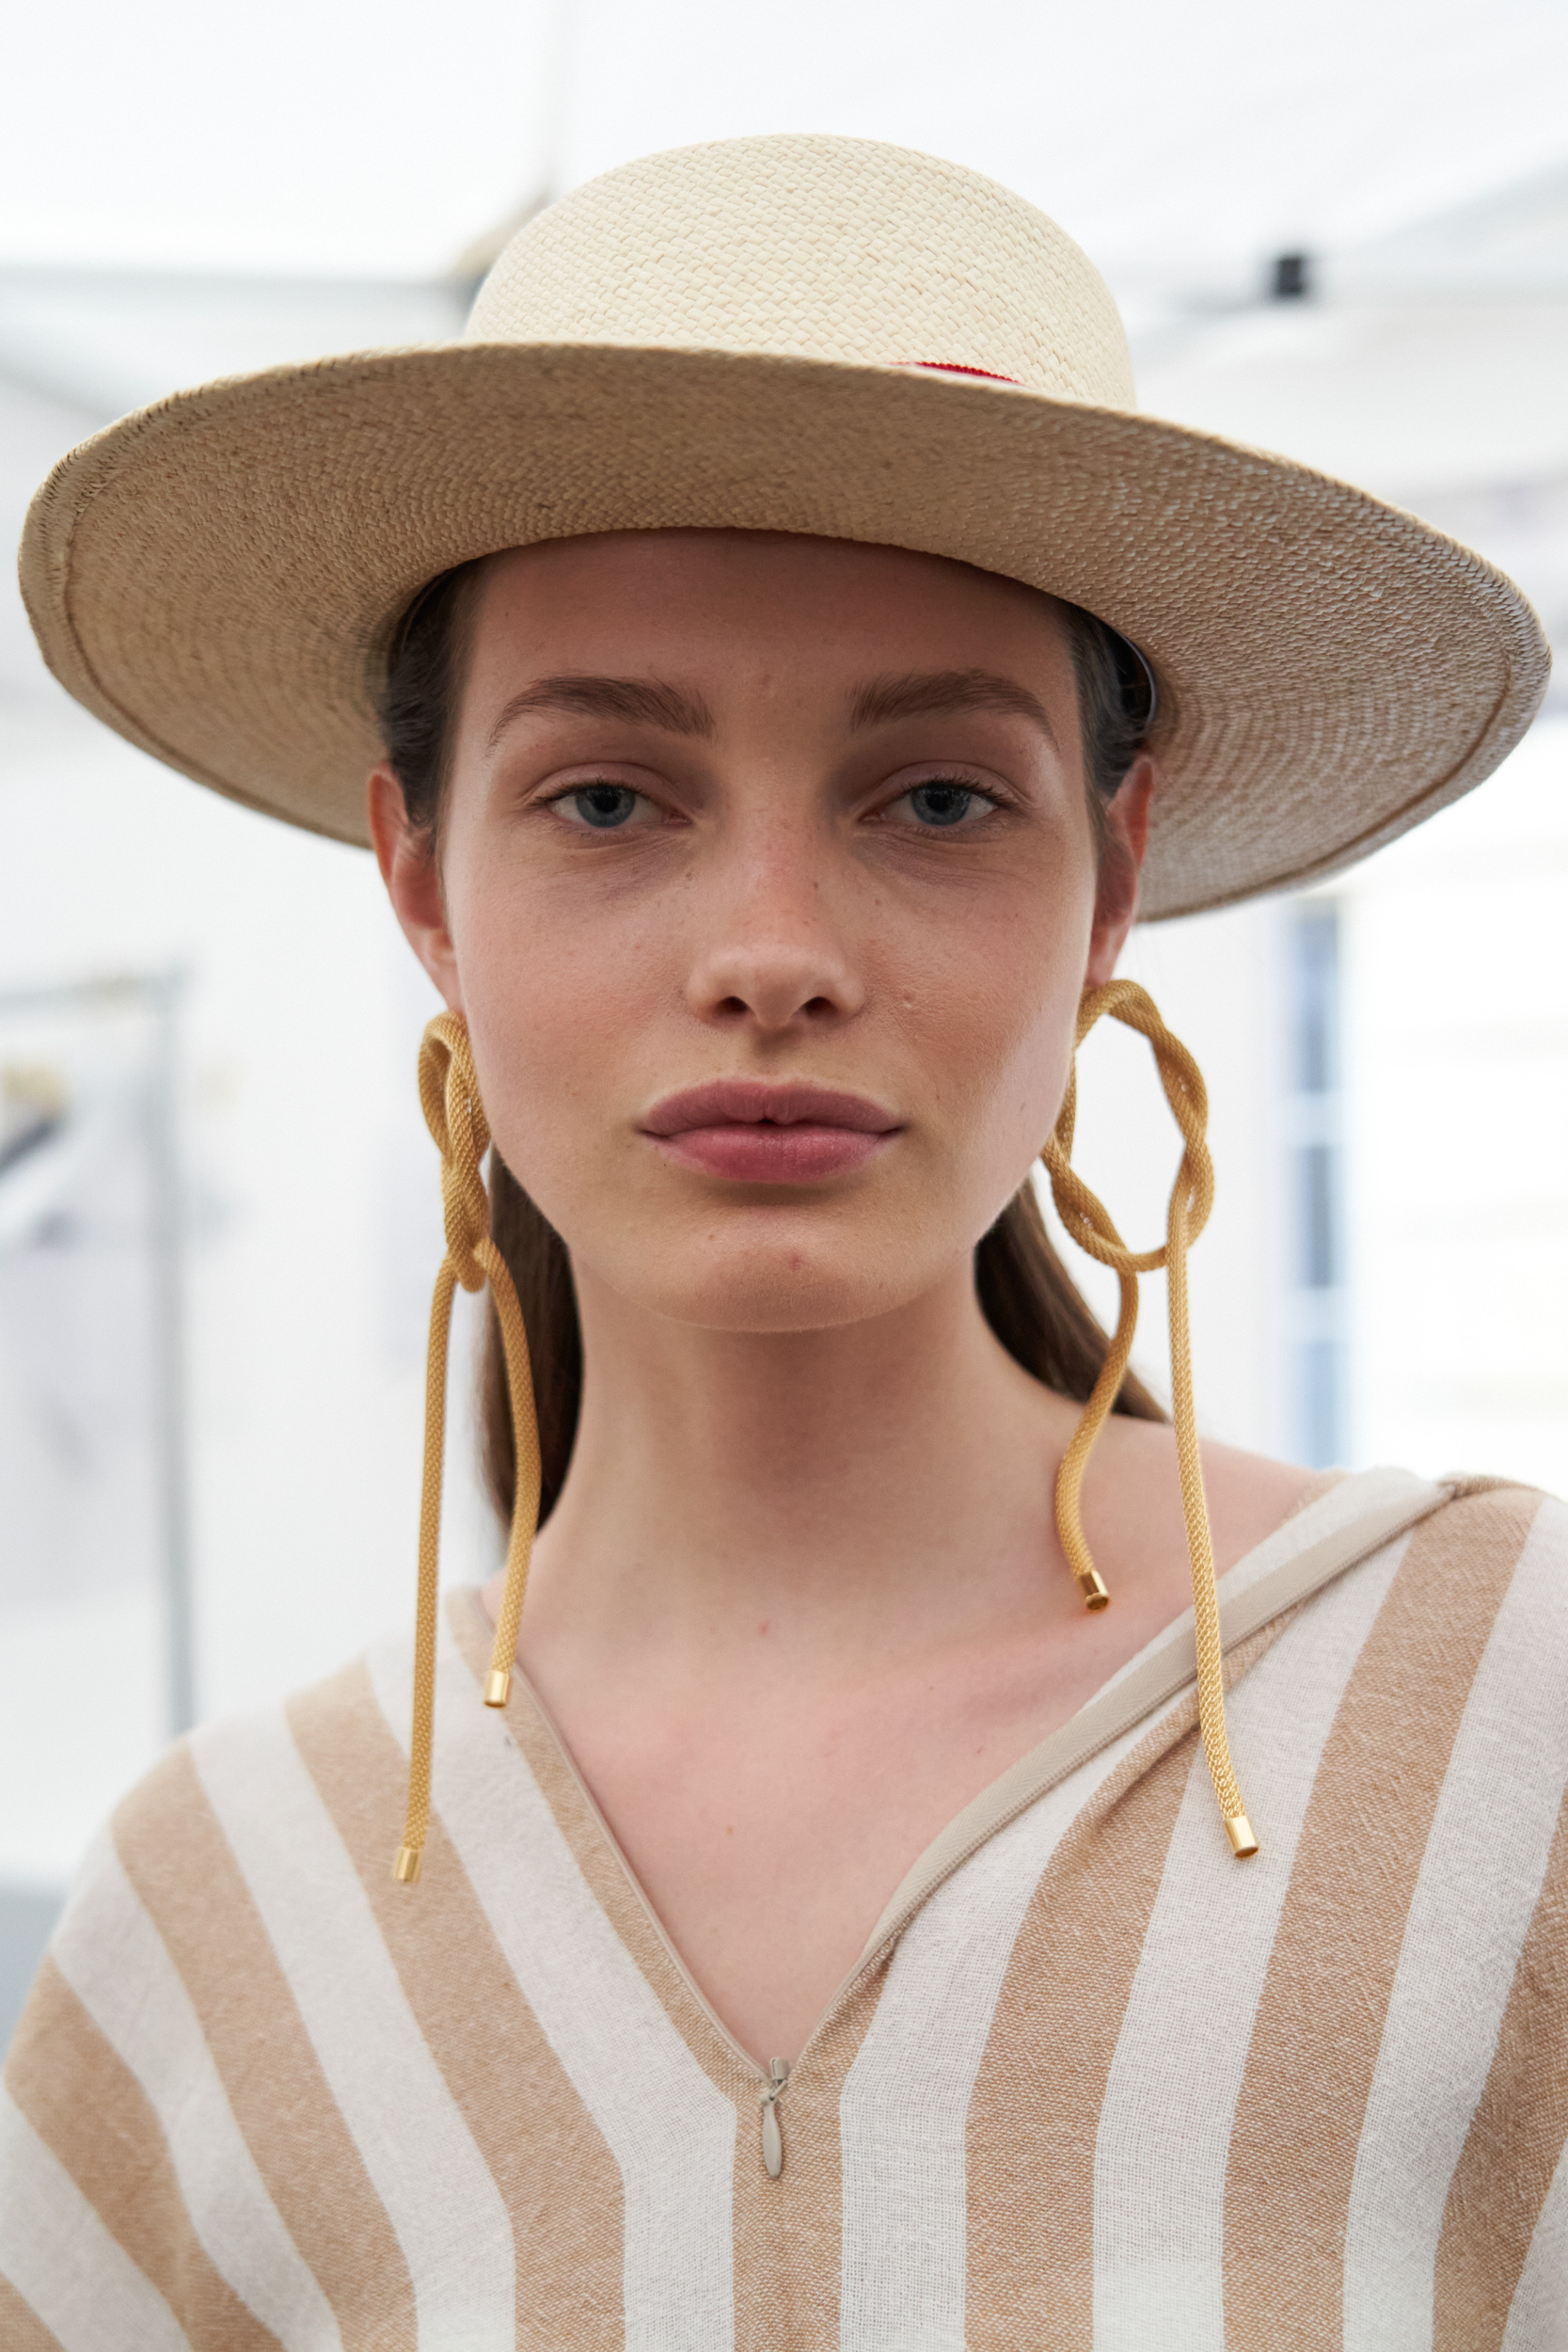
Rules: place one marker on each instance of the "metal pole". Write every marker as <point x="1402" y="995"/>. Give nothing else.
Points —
<point x="160" y="994"/>
<point x="170" y="1453"/>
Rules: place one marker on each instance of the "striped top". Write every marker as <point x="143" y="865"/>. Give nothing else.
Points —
<point x="1092" y="2083"/>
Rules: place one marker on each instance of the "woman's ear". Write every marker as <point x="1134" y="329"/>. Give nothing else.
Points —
<point x="1121" y="857"/>
<point x="406" y="856"/>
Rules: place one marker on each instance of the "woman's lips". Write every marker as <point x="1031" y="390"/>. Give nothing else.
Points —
<point x="752" y="1131"/>
<point x="762" y="1154"/>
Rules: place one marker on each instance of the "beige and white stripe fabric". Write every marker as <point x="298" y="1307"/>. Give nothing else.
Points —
<point x="1092" y="2085"/>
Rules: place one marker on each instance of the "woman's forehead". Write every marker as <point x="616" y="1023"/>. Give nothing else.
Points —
<point x="715" y="591"/>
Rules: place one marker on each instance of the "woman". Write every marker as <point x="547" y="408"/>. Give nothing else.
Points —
<point x="777" y="646"/>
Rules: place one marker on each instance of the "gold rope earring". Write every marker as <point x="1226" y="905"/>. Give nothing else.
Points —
<point x="449" y="1093"/>
<point x="1090" y="1226"/>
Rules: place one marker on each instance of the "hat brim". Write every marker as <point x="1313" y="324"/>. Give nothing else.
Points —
<point x="218" y="575"/>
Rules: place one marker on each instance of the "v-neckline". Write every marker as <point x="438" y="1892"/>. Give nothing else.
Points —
<point x="1334" y="1529"/>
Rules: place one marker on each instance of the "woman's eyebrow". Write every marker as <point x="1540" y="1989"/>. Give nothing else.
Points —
<point x="644" y="701"/>
<point x="932" y="693"/>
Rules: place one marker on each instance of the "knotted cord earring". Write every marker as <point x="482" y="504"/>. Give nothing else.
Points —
<point x="1089" y="1224"/>
<point x="449" y="1094"/>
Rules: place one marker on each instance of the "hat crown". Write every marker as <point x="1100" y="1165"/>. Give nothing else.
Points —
<point x="825" y="248"/>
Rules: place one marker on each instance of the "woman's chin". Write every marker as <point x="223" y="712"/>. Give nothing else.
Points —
<point x="752" y="1290"/>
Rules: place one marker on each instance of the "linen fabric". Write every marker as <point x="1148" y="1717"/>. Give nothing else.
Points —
<point x="814" y="335"/>
<point x="1094" y="2083"/>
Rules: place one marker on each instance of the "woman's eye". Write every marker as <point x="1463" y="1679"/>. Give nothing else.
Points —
<point x="946" y="805"/>
<point x="602" y="806"/>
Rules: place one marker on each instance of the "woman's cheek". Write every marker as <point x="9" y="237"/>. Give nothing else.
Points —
<point x="551" y="1021"/>
<point x="994" y="1014"/>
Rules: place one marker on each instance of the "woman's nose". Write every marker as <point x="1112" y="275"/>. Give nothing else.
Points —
<point x="772" y="955"/>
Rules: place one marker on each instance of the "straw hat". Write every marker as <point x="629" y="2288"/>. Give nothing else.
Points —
<point x="797" y="334"/>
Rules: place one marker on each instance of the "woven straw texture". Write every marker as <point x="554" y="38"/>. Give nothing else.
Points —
<point x="733" y="336"/>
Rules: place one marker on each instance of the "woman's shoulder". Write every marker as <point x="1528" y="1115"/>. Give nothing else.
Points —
<point x="1469" y="1536"/>
<point x="1459" y="1545"/>
<point x="1475" y="1527"/>
<point x="1464" y="1542"/>
<point x="1455" y="1592"/>
<point x="221" y="1958"/>
<point x="275" y="1795"/>
<point x="219" y="1866"/>
<point x="1489" y="1564"/>
<point x="1253" y="1497"/>
<point x="216" y="1885"/>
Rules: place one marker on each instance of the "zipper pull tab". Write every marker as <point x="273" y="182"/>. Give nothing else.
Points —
<point x="772" y="2138"/>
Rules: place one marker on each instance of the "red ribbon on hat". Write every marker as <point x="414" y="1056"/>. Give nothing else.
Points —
<point x="955" y="367"/>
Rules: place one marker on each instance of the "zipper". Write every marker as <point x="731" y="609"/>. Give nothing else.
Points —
<point x="767" y="2100"/>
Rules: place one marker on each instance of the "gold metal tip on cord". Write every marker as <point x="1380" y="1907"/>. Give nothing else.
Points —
<point x="1095" y="1591"/>
<point x="498" y="1686"/>
<point x="1239" y="1830"/>
<point x="406" y="1869"/>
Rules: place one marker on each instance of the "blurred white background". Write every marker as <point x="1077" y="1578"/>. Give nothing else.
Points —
<point x="1339" y="231"/>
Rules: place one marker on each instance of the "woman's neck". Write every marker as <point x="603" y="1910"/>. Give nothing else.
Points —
<point x="722" y="1480"/>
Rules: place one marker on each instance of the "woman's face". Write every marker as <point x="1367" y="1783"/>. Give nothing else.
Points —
<point x="767" y="889"/>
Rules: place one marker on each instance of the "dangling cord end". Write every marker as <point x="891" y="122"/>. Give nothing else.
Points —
<point x="406" y="1869"/>
<point x="1206" y="1600"/>
<point x="525" y="1441"/>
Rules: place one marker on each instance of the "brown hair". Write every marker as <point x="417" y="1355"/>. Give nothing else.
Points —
<point x="1025" y="1293"/>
